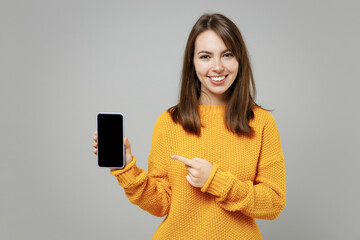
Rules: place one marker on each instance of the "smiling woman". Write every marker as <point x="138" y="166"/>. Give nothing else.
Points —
<point x="215" y="66"/>
<point x="216" y="49"/>
<point x="216" y="162"/>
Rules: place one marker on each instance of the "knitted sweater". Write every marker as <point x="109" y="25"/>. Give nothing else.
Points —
<point x="247" y="180"/>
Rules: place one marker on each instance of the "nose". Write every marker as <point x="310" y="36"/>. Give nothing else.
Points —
<point x="218" y="65"/>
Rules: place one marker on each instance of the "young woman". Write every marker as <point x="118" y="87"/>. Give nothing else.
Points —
<point x="216" y="162"/>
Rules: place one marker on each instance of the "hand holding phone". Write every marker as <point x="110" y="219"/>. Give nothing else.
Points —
<point x="128" y="156"/>
<point x="110" y="140"/>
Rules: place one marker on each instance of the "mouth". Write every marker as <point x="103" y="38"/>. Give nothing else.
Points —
<point x="217" y="80"/>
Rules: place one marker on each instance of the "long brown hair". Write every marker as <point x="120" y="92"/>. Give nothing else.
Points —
<point x="240" y="97"/>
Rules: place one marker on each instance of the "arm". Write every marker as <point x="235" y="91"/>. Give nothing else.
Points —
<point x="266" y="196"/>
<point x="149" y="191"/>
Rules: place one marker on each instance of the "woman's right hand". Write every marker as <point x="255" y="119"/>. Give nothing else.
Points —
<point x="128" y="156"/>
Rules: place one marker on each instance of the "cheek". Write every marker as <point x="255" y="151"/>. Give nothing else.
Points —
<point x="234" y="67"/>
<point x="201" y="71"/>
<point x="197" y="71"/>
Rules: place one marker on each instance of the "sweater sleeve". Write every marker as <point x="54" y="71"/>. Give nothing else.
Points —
<point x="265" y="197"/>
<point x="150" y="191"/>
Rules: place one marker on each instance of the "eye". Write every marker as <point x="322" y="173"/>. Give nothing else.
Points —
<point x="204" y="57"/>
<point x="228" y="55"/>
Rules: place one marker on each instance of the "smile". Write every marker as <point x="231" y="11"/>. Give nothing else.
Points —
<point x="218" y="78"/>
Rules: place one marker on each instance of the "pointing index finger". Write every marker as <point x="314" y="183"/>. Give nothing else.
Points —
<point x="184" y="160"/>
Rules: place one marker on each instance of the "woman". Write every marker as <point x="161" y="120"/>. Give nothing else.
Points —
<point x="216" y="161"/>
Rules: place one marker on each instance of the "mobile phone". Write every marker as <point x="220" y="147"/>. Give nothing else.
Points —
<point x="110" y="133"/>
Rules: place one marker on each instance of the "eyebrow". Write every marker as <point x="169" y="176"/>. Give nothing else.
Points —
<point x="207" y="52"/>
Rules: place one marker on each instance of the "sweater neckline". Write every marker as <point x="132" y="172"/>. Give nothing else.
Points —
<point x="211" y="109"/>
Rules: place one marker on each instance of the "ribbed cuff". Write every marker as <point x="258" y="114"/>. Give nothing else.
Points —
<point x="223" y="182"/>
<point x="219" y="184"/>
<point x="128" y="174"/>
<point x="210" y="178"/>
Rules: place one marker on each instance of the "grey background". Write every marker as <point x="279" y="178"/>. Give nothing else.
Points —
<point x="61" y="62"/>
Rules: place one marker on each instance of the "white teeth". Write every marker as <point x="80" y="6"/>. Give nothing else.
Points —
<point x="217" y="78"/>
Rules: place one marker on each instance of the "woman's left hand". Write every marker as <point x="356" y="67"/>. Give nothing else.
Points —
<point x="199" y="170"/>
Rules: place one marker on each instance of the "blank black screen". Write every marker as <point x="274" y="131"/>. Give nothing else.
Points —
<point x="110" y="140"/>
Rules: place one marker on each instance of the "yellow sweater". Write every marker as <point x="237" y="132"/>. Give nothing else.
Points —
<point x="247" y="181"/>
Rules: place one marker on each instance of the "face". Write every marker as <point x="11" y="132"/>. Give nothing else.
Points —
<point x="216" y="67"/>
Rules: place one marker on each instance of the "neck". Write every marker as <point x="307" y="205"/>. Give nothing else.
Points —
<point x="214" y="100"/>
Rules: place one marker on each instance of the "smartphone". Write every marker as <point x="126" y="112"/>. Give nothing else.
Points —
<point x="110" y="133"/>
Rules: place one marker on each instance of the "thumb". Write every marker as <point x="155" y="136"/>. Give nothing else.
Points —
<point x="127" y="146"/>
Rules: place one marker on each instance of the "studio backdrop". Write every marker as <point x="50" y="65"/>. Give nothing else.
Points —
<point x="62" y="62"/>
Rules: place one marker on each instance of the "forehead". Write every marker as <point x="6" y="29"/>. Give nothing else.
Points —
<point x="209" y="41"/>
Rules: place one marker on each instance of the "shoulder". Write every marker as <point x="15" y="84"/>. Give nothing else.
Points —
<point x="163" y="121"/>
<point x="262" y="117"/>
<point x="164" y="118"/>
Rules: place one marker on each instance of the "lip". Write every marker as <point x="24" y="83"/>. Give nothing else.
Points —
<point x="218" y="82"/>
